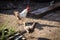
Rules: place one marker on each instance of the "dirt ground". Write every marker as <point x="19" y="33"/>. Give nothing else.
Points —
<point x="47" y="27"/>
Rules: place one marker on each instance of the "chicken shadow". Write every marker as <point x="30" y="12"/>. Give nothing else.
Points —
<point x="40" y="26"/>
<point x="43" y="39"/>
<point x="40" y="38"/>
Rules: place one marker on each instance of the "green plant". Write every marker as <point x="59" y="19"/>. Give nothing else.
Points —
<point x="3" y="36"/>
<point x="11" y="30"/>
<point x="5" y="25"/>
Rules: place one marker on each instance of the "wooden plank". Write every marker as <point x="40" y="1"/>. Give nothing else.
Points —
<point x="45" y="9"/>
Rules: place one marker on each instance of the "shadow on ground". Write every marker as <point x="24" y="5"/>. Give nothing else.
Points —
<point x="40" y="26"/>
<point x="43" y="39"/>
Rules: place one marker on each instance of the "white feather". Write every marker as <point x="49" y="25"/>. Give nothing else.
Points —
<point x="23" y="13"/>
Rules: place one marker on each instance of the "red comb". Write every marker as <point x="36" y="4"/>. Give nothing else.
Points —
<point x="28" y="7"/>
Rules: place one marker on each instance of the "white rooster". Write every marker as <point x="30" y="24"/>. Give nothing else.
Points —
<point x="22" y="14"/>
